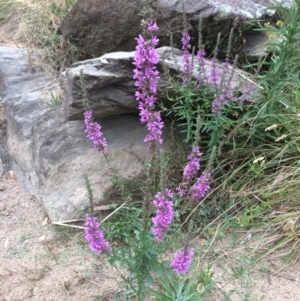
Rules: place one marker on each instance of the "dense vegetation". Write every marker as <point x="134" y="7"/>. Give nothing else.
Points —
<point x="248" y="173"/>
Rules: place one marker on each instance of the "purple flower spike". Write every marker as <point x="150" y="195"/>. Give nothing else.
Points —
<point x="201" y="78"/>
<point x="146" y="76"/>
<point x="93" y="130"/>
<point x="201" y="187"/>
<point x="214" y="75"/>
<point x="193" y="165"/>
<point x="246" y="93"/>
<point x="95" y="237"/>
<point x="225" y="90"/>
<point x="182" y="260"/>
<point x="155" y="126"/>
<point x="187" y="64"/>
<point x="164" y="214"/>
<point x="152" y="26"/>
<point x="181" y="191"/>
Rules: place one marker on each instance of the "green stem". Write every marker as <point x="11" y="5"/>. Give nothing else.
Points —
<point x="114" y="172"/>
<point x="150" y="187"/>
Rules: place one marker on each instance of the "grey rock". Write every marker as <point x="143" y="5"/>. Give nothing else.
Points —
<point x="114" y="22"/>
<point x="50" y="156"/>
<point x="255" y="46"/>
<point x="4" y="158"/>
<point x="110" y="85"/>
<point x="102" y="26"/>
<point x="18" y="78"/>
<point x="63" y="155"/>
<point x="1" y="168"/>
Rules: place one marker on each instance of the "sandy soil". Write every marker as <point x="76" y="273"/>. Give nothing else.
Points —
<point x="40" y="261"/>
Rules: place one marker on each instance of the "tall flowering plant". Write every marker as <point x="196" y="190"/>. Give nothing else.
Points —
<point x="146" y="80"/>
<point x="141" y="256"/>
<point x="146" y="76"/>
<point x="206" y="89"/>
<point x="187" y="67"/>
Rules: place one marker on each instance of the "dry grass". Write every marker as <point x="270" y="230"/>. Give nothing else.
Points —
<point x="278" y="219"/>
<point x="34" y="24"/>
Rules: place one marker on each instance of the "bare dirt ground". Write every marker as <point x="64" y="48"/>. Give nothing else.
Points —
<point x="40" y="261"/>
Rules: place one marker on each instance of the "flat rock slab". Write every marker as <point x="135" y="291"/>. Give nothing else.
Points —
<point x="110" y="85"/>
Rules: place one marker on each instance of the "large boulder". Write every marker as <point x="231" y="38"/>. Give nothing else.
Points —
<point x="110" y="86"/>
<point x="50" y="156"/>
<point x="102" y="26"/>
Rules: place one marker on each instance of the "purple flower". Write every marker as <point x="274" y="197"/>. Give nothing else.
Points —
<point x="187" y="64"/>
<point x="182" y="260"/>
<point x="201" y="187"/>
<point x="155" y="126"/>
<point x="193" y="165"/>
<point x="191" y="169"/>
<point x="246" y="93"/>
<point x="95" y="237"/>
<point x="201" y="78"/>
<point x="152" y="26"/>
<point x="219" y="79"/>
<point x="93" y="130"/>
<point x="181" y="191"/>
<point x="216" y="105"/>
<point x="163" y="215"/>
<point x="146" y="76"/>
<point x="225" y="90"/>
<point x="214" y="76"/>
